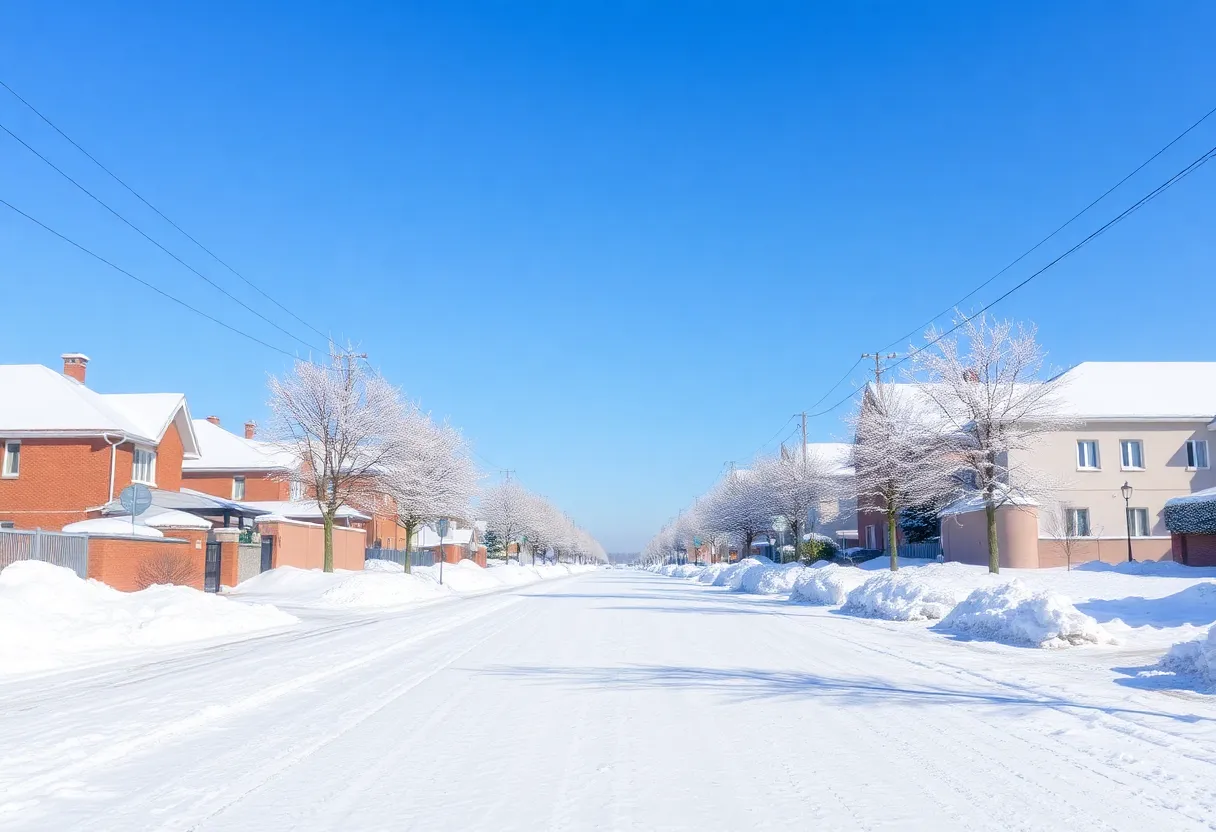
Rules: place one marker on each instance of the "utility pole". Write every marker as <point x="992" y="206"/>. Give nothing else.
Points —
<point x="878" y="359"/>
<point x="803" y="415"/>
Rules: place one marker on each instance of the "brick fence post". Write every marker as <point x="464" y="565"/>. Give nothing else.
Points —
<point x="229" y="540"/>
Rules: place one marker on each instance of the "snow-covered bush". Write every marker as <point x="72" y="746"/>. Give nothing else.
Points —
<point x="826" y="584"/>
<point x="913" y="594"/>
<point x="1012" y="612"/>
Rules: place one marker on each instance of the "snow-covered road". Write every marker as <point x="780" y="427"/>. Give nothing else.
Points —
<point x="613" y="700"/>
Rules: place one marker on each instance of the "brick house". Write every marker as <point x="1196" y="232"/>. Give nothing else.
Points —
<point x="67" y="450"/>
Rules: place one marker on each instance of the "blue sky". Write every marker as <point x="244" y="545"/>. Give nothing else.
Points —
<point x="618" y="243"/>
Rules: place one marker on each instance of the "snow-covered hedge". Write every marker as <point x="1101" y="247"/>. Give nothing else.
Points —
<point x="1012" y="612"/>
<point x="49" y="617"/>
<point x="916" y="594"/>
<point x="826" y="584"/>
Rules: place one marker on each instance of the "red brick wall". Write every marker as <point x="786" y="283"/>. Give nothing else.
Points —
<point x="303" y="545"/>
<point x="258" y="485"/>
<point x="60" y="478"/>
<point x="116" y="560"/>
<point x="1195" y="549"/>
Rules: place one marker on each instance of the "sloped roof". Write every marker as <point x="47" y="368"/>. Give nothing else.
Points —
<point x="39" y="402"/>
<point x="429" y="538"/>
<point x="300" y="510"/>
<point x="222" y="450"/>
<point x="838" y="455"/>
<point x="112" y="525"/>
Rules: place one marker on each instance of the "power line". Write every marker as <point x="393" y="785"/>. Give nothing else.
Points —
<point x="842" y="380"/>
<point x="1067" y="223"/>
<point x="141" y="232"/>
<point x="141" y="281"/>
<point x="158" y="212"/>
<point x="1140" y="203"/>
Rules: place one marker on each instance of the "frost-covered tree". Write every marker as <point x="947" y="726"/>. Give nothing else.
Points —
<point x="742" y="508"/>
<point x="900" y="455"/>
<point x="984" y="385"/>
<point x="431" y="477"/>
<point x="505" y="508"/>
<point x="340" y="419"/>
<point x="796" y="484"/>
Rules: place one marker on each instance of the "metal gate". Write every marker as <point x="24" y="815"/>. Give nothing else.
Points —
<point x="267" y="553"/>
<point x="211" y="572"/>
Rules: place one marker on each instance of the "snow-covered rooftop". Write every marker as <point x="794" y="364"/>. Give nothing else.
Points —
<point x="114" y="526"/>
<point x="222" y="450"/>
<point x="300" y="510"/>
<point x="429" y="538"/>
<point x="36" y="401"/>
<point x="838" y="455"/>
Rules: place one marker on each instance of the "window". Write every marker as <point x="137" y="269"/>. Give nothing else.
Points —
<point x="297" y="491"/>
<point x="143" y="466"/>
<point x="1087" y="454"/>
<point x="1196" y="453"/>
<point x="12" y="458"/>
<point x="871" y="537"/>
<point x="1131" y="453"/>
<point x="238" y="488"/>
<point x="1077" y="520"/>
<point x="1137" y="522"/>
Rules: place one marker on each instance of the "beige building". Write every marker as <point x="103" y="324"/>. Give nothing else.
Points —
<point x="1143" y="424"/>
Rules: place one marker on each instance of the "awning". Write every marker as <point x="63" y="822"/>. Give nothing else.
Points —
<point x="197" y="503"/>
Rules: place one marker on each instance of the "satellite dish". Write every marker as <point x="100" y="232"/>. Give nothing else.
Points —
<point x="136" y="499"/>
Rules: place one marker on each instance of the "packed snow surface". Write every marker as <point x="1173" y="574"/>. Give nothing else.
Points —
<point x="49" y="617"/>
<point x="1012" y="612"/>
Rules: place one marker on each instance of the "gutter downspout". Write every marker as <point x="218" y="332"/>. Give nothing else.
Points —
<point x="113" y="456"/>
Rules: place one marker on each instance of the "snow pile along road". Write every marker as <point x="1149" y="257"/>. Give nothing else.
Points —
<point x="383" y="584"/>
<point x="777" y="579"/>
<point x="826" y="584"/>
<point x="917" y="594"/>
<point x="1014" y="613"/>
<point x="1195" y="658"/>
<point x="49" y="617"/>
<point x="733" y="576"/>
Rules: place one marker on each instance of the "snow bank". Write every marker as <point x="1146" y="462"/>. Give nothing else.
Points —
<point x="49" y="617"/>
<point x="384" y="584"/>
<point x="777" y="579"/>
<point x="710" y="573"/>
<point x="916" y="594"/>
<point x="1014" y="613"/>
<point x="1195" y="658"/>
<point x="826" y="584"/>
<point x="732" y="577"/>
<point x="1151" y="568"/>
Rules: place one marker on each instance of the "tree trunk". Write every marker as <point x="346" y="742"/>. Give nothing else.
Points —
<point x="747" y="546"/>
<point x="892" y="541"/>
<point x="797" y="541"/>
<point x="409" y="542"/>
<point x="327" y="520"/>
<point x="994" y="552"/>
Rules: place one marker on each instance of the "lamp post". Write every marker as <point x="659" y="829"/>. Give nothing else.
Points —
<point x="772" y="547"/>
<point x="1127" y="515"/>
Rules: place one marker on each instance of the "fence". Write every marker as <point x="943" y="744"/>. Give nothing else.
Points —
<point x="423" y="558"/>
<point x="929" y="550"/>
<point x="70" y="550"/>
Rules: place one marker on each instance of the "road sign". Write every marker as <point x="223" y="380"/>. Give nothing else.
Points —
<point x="136" y="499"/>
<point x="443" y="529"/>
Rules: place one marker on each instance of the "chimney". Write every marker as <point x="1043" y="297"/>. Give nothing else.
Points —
<point x="971" y="375"/>
<point x="215" y="420"/>
<point x="251" y="427"/>
<point x="74" y="364"/>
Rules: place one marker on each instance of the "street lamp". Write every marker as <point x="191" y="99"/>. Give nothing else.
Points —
<point x="772" y="547"/>
<point x="1127" y="514"/>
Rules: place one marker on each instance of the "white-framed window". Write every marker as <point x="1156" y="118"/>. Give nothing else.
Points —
<point x="871" y="537"/>
<point x="1196" y="453"/>
<point x="1087" y="455"/>
<point x="1137" y="522"/>
<point x="238" y="488"/>
<point x="297" y="491"/>
<point x="1077" y="520"/>
<point x="1131" y="454"/>
<point x="143" y="466"/>
<point x="12" y="458"/>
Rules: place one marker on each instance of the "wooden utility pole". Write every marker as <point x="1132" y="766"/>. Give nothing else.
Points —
<point x="878" y="359"/>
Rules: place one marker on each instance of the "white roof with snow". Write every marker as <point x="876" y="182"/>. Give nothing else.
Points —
<point x="428" y="538"/>
<point x="222" y="450"/>
<point x="300" y="510"/>
<point x="838" y="455"/>
<point x="36" y="401"/>
<point x="113" y="526"/>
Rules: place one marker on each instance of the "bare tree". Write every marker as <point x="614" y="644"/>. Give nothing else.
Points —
<point x="165" y="567"/>
<point x="1065" y="532"/>
<point x="900" y="456"/>
<point x="984" y="386"/>
<point x="796" y="483"/>
<point x="341" y="420"/>
<point x="431" y="476"/>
